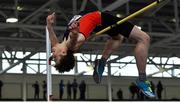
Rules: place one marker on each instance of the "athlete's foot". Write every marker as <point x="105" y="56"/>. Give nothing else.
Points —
<point x="145" y="87"/>
<point x="98" y="70"/>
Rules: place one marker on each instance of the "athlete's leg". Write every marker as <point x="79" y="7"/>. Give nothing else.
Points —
<point x="141" y="53"/>
<point x="111" y="45"/>
<point x="141" y="49"/>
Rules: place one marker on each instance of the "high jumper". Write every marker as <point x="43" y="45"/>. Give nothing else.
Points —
<point x="79" y="29"/>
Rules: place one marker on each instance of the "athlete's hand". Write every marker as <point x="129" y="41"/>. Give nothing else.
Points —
<point x="74" y="27"/>
<point x="50" y="19"/>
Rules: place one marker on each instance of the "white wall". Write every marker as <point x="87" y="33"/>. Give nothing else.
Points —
<point x="13" y="86"/>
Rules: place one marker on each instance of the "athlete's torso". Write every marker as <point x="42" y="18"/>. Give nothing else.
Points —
<point x="87" y="23"/>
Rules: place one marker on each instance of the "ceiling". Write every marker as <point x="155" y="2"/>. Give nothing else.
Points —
<point x="161" y="23"/>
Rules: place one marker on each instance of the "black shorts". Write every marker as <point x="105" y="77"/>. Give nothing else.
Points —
<point x="107" y="19"/>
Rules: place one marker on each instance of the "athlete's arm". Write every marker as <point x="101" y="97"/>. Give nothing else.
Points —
<point x="52" y="35"/>
<point x="80" y="41"/>
<point x="76" y="38"/>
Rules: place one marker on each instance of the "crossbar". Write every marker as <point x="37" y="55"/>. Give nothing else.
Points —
<point x="129" y="17"/>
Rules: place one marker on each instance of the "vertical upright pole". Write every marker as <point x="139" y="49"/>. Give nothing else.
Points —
<point x="76" y="67"/>
<point x="24" y="84"/>
<point x="1" y="67"/>
<point x="176" y="14"/>
<point x="48" y="69"/>
<point x="127" y="8"/>
<point x="74" y="4"/>
<point x="109" y="83"/>
<point x="24" y="87"/>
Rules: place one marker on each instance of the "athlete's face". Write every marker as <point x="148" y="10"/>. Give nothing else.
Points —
<point x="59" y="51"/>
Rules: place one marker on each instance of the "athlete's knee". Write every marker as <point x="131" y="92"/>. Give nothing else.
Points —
<point x="147" y="38"/>
<point x="139" y="36"/>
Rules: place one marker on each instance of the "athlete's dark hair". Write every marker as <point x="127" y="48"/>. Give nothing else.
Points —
<point x="66" y="63"/>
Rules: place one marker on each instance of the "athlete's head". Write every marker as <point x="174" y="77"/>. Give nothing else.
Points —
<point x="65" y="63"/>
<point x="63" y="57"/>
